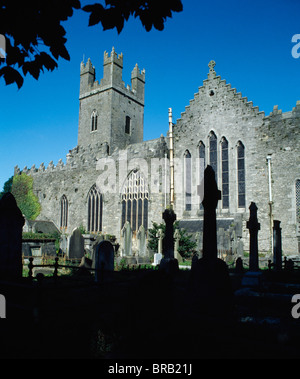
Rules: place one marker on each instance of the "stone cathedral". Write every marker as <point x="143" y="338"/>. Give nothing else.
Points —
<point x="113" y="176"/>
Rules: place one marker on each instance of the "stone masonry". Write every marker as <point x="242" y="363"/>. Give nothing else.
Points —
<point x="111" y="127"/>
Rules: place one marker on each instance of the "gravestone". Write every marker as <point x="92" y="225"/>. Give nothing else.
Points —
<point x="76" y="245"/>
<point x="157" y="258"/>
<point x="210" y="282"/>
<point x="11" y="224"/>
<point x="104" y="261"/>
<point x="253" y="226"/>
<point x="141" y="236"/>
<point x="277" y="249"/>
<point x="63" y="243"/>
<point x="127" y="239"/>
<point x="176" y="245"/>
<point x="160" y="235"/>
<point x="98" y="239"/>
<point x="253" y="278"/>
<point x="168" y="263"/>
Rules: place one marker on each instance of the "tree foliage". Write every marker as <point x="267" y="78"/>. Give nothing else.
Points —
<point x="22" y="189"/>
<point x="35" y="38"/>
<point x="7" y="186"/>
<point x="186" y="245"/>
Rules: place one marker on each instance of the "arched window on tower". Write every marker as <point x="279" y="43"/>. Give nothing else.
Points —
<point x="188" y="180"/>
<point x="201" y="168"/>
<point x="63" y="212"/>
<point x="213" y="153"/>
<point x="298" y="200"/>
<point x="225" y="174"/>
<point x="241" y="175"/>
<point x="95" y="207"/>
<point x="135" y="199"/>
<point x="94" y="118"/>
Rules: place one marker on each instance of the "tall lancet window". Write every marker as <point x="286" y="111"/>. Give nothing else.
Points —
<point x="188" y="180"/>
<point x="95" y="206"/>
<point x="241" y="175"/>
<point x="213" y="153"/>
<point x="63" y="212"/>
<point x="135" y="199"/>
<point x="201" y="168"/>
<point x="94" y="121"/>
<point x="298" y="200"/>
<point x="225" y="174"/>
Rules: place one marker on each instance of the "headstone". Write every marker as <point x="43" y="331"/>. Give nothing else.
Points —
<point x="104" y="261"/>
<point x="253" y="226"/>
<point x="76" y="245"/>
<point x="141" y="236"/>
<point x="176" y="245"/>
<point x="127" y="239"/>
<point x="277" y="249"/>
<point x="160" y="235"/>
<point x="11" y="224"/>
<point x="211" y="289"/>
<point x="211" y="197"/>
<point x="63" y="243"/>
<point x="168" y="263"/>
<point x="168" y="242"/>
<point x="157" y="258"/>
<point x="254" y="277"/>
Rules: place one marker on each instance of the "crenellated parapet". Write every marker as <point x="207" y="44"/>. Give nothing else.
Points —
<point x="112" y="77"/>
<point x="76" y="158"/>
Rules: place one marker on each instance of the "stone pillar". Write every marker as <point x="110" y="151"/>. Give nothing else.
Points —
<point x="277" y="249"/>
<point x="254" y="226"/>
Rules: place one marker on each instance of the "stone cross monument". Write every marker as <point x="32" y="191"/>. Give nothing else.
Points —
<point x="254" y="226"/>
<point x="211" y="197"/>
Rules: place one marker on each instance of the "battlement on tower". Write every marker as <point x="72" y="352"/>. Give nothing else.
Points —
<point x="112" y="78"/>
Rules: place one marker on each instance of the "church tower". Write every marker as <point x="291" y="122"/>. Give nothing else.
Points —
<point x="109" y="112"/>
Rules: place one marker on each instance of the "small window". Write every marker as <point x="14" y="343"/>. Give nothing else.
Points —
<point x="94" y="121"/>
<point x="127" y="125"/>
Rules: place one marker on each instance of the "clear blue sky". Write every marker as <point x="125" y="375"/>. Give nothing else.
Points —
<point x="249" y="40"/>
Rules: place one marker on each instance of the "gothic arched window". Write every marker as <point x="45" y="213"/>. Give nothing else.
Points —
<point x="95" y="205"/>
<point x="213" y="153"/>
<point x="225" y="174"/>
<point x="94" y="118"/>
<point x="63" y="212"/>
<point x="241" y="175"/>
<point x="188" y="180"/>
<point x="135" y="199"/>
<point x="298" y="200"/>
<point x="201" y="167"/>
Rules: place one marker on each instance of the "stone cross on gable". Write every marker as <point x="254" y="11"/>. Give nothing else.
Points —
<point x="211" y="197"/>
<point x="211" y="65"/>
<point x="212" y="72"/>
